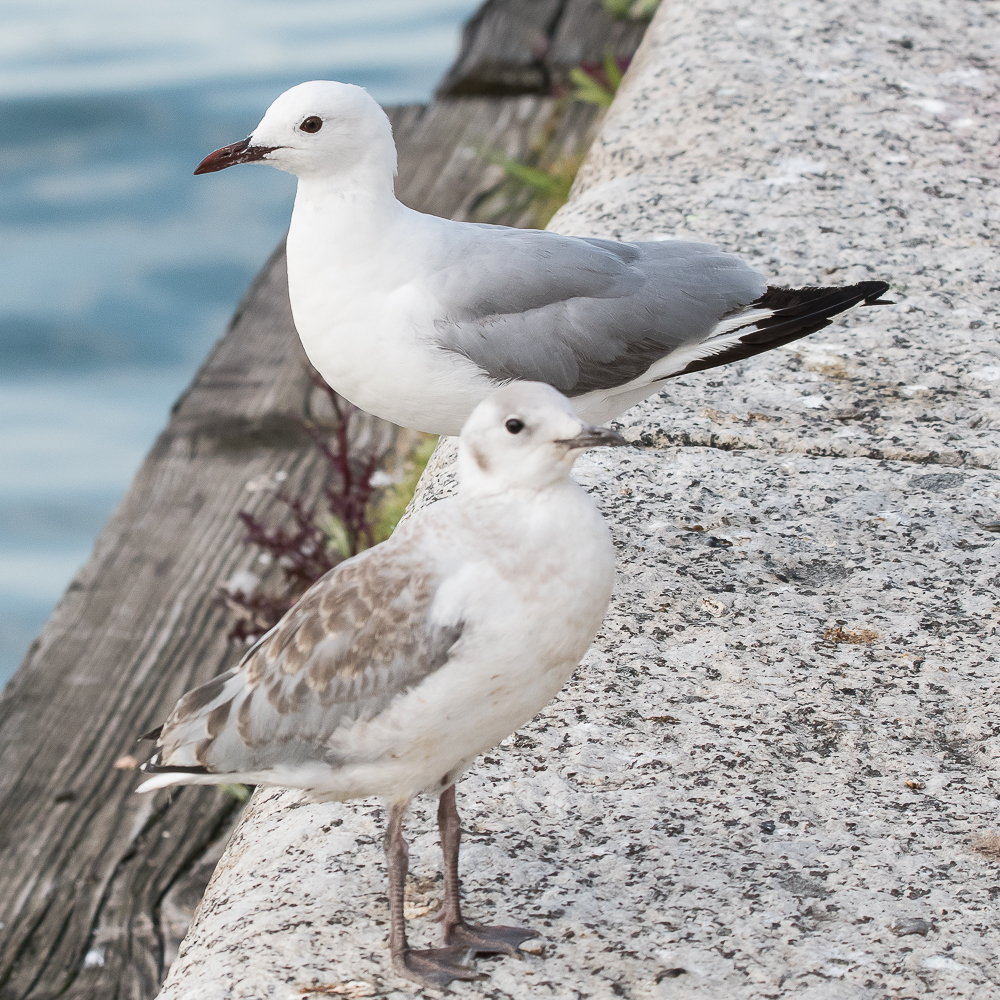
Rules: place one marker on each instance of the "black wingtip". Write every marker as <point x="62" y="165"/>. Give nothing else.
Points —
<point x="813" y="301"/>
<point x="795" y="313"/>
<point x="877" y="300"/>
<point x="153" y="734"/>
<point x="874" y="296"/>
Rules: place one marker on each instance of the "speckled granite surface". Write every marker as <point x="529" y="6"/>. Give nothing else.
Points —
<point x="777" y="773"/>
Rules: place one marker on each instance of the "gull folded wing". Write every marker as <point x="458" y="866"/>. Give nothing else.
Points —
<point x="359" y="637"/>
<point x="582" y="314"/>
<point x="587" y="314"/>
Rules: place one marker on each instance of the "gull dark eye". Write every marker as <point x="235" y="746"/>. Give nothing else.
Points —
<point x="312" y="124"/>
<point x="514" y="425"/>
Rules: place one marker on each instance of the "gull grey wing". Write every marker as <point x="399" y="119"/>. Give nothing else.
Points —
<point x="583" y="314"/>
<point x="360" y="636"/>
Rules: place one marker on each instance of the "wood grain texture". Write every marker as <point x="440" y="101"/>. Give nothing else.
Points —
<point x="96" y="888"/>
<point x="512" y="47"/>
<point x="442" y="164"/>
<point x="503" y="50"/>
<point x="585" y="32"/>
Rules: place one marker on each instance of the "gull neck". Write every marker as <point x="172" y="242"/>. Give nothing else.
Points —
<point x="509" y="483"/>
<point x="369" y="176"/>
<point x="348" y="200"/>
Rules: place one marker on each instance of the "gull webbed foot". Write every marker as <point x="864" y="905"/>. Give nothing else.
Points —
<point x="488" y="940"/>
<point x="435" y="967"/>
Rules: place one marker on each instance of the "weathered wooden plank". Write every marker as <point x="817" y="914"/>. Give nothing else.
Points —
<point x="585" y="32"/>
<point x="442" y="164"/>
<point x="503" y="50"/>
<point x="514" y="47"/>
<point x="95" y="886"/>
<point x="84" y="861"/>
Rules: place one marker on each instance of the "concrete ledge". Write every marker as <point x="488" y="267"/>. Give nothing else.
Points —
<point x="776" y="774"/>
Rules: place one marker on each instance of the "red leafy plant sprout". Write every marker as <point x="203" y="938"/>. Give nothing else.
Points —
<point x="360" y="503"/>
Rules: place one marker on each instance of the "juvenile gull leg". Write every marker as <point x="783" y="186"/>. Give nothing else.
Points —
<point x="480" y="940"/>
<point x="434" y="966"/>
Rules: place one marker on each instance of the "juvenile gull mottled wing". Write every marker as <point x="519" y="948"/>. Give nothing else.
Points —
<point x="359" y="636"/>
<point x="582" y="314"/>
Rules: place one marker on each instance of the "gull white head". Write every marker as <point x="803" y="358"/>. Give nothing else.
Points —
<point x="320" y="129"/>
<point x="526" y="436"/>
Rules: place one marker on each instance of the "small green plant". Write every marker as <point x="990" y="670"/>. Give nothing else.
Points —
<point x="540" y="189"/>
<point x="239" y="792"/>
<point x="397" y="497"/>
<point x="598" y="84"/>
<point x="547" y="188"/>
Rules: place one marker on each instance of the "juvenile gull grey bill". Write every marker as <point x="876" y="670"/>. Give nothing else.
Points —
<point x="417" y="319"/>
<point x="402" y="664"/>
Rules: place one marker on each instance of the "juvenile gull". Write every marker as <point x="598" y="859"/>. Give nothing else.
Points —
<point x="416" y="319"/>
<point x="402" y="664"/>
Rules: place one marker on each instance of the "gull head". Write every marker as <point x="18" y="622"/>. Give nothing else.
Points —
<point x="524" y="436"/>
<point x="319" y="129"/>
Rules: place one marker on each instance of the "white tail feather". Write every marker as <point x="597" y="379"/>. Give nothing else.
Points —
<point x="174" y="778"/>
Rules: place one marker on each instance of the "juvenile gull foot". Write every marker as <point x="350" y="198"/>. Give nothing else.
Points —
<point x="432" y="966"/>
<point x="479" y="940"/>
<point x="435" y="967"/>
<point x="499" y="940"/>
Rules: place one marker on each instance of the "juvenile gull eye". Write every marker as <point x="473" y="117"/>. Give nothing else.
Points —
<point x="514" y="425"/>
<point x="312" y="124"/>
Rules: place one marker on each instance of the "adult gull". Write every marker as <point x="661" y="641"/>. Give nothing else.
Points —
<point x="402" y="664"/>
<point x="416" y="319"/>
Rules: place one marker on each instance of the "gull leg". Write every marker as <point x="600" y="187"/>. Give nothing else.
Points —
<point x="434" y="966"/>
<point x="479" y="940"/>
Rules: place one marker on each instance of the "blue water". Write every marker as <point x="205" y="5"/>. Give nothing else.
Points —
<point x="118" y="268"/>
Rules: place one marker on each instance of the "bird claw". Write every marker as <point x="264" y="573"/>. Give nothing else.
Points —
<point x="488" y="940"/>
<point x="436" y="967"/>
